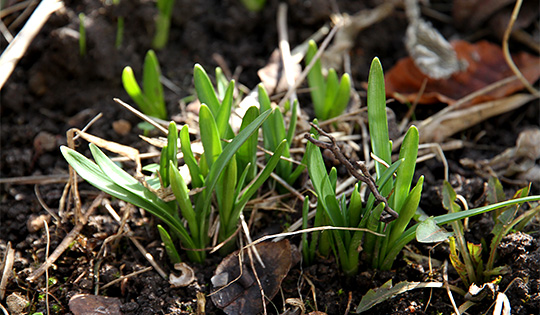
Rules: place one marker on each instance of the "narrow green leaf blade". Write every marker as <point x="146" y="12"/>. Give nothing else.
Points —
<point x="181" y="193"/>
<point x="342" y="97"/>
<point x="224" y="113"/>
<point x="205" y="89"/>
<point x="378" y="123"/>
<point x="138" y="196"/>
<point x="197" y="180"/>
<point x="405" y="173"/>
<point x="264" y="174"/>
<point x="152" y="86"/>
<point x="316" y="81"/>
<point x="321" y="183"/>
<point x="209" y="135"/>
<point x="247" y="153"/>
<point x="134" y="91"/>
<point x="332" y="86"/>
<point x="169" y="245"/>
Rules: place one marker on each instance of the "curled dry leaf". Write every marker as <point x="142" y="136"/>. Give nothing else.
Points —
<point x="185" y="279"/>
<point x="486" y="65"/>
<point x="236" y="290"/>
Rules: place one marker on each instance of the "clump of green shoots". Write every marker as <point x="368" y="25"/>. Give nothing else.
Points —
<point x="466" y="257"/>
<point x="163" y="23"/>
<point x="330" y="95"/>
<point x="150" y="98"/>
<point x="216" y="180"/>
<point x="392" y="203"/>
<point x="398" y="207"/>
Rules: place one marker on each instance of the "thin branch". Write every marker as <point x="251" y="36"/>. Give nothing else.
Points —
<point x="389" y="215"/>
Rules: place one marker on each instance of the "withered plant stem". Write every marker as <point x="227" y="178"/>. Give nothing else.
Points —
<point x="388" y="215"/>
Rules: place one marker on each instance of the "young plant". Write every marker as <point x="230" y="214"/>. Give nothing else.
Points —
<point x="163" y="23"/>
<point x="82" y="35"/>
<point x="214" y="177"/>
<point x="108" y="177"/>
<point x="400" y="205"/>
<point x="119" y="28"/>
<point x="254" y="5"/>
<point x="274" y="132"/>
<point x="388" y="210"/>
<point x="466" y="257"/>
<point x="237" y="185"/>
<point x="330" y="95"/>
<point x="150" y="98"/>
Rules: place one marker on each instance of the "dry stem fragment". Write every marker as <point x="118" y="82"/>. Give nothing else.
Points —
<point x="389" y="215"/>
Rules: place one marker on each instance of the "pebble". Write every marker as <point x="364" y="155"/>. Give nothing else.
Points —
<point x="94" y="304"/>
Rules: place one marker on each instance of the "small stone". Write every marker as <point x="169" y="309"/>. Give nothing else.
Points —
<point x="16" y="303"/>
<point x="45" y="142"/>
<point x="122" y="127"/>
<point x="35" y="222"/>
<point x="94" y="304"/>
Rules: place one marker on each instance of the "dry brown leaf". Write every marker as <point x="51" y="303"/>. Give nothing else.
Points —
<point x="458" y="120"/>
<point x="486" y="65"/>
<point x="242" y="295"/>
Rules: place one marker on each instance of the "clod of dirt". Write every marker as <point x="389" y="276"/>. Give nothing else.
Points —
<point x="94" y="304"/>
<point x="237" y="290"/>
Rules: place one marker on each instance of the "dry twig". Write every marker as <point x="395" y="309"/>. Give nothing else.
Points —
<point x="365" y="177"/>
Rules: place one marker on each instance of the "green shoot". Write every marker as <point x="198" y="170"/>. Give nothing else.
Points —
<point x="163" y="23"/>
<point x="254" y="5"/>
<point x="330" y="95"/>
<point x="150" y="98"/>
<point x="466" y="257"/>
<point x="274" y="132"/>
<point x="82" y="35"/>
<point x="119" y="28"/>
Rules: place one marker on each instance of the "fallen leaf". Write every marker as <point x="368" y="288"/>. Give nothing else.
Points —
<point x="455" y="121"/>
<point x="238" y="292"/>
<point x="486" y="65"/>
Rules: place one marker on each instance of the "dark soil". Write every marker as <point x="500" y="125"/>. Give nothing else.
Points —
<point x="54" y="89"/>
